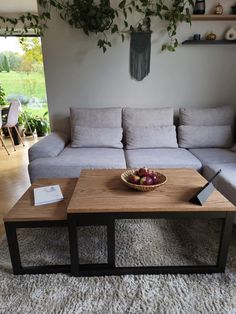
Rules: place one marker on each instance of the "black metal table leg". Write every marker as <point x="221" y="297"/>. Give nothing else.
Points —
<point x="74" y="252"/>
<point x="226" y="233"/>
<point x="110" y="268"/>
<point x="13" y="247"/>
<point x="111" y="242"/>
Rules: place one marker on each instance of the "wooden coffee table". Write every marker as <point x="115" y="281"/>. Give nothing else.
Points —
<point x="25" y="215"/>
<point x="100" y="197"/>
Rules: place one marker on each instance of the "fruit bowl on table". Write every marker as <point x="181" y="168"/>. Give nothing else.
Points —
<point x="130" y="176"/>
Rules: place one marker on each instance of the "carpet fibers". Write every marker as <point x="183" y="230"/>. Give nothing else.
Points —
<point x="138" y="242"/>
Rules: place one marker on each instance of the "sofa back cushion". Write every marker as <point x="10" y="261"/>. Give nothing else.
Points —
<point x="97" y="137"/>
<point x="149" y="128"/>
<point x="151" y="137"/>
<point x="206" y="127"/>
<point x="207" y="116"/>
<point x="96" y="117"/>
<point x="147" y="117"/>
<point x="191" y="136"/>
<point x="92" y="127"/>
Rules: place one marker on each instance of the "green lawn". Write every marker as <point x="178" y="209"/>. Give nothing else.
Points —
<point x="20" y="83"/>
<point x="38" y="112"/>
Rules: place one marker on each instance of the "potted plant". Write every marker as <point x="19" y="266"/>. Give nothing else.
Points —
<point x="29" y="123"/>
<point x="41" y="125"/>
<point x="21" y="123"/>
<point x="3" y="101"/>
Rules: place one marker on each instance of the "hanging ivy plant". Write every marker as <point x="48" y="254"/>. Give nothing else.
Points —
<point x="90" y="17"/>
<point x="101" y="18"/>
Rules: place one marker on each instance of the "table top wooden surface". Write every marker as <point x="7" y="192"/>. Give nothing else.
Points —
<point x="24" y="209"/>
<point x="102" y="191"/>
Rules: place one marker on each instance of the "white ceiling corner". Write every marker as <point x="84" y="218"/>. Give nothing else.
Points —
<point x="17" y="6"/>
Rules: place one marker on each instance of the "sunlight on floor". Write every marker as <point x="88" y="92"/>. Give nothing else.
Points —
<point x="14" y="179"/>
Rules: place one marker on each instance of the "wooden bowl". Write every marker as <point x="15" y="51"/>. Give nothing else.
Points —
<point x="143" y="188"/>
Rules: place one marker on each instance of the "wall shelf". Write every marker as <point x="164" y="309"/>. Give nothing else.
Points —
<point x="213" y="17"/>
<point x="209" y="42"/>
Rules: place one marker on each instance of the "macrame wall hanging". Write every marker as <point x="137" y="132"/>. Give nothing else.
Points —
<point x="140" y="55"/>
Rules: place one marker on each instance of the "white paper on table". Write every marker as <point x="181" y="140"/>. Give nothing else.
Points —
<point x="47" y="195"/>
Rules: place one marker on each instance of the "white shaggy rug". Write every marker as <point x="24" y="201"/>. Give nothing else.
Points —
<point x="140" y="242"/>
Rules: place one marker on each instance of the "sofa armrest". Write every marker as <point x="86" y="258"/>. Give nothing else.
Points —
<point x="50" y="146"/>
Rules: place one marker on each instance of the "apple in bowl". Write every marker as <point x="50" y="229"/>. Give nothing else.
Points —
<point x="143" y="179"/>
<point x="146" y="181"/>
<point x="143" y="172"/>
<point x="143" y="176"/>
<point x="134" y="178"/>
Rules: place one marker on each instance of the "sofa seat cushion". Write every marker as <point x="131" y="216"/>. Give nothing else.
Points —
<point x="209" y="156"/>
<point x="161" y="158"/>
<point x="72" y="160"/>
<point x="225" y="182"/>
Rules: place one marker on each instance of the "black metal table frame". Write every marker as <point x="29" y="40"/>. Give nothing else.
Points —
<point x="18" y="269"/>
<point x="108" y="220"/>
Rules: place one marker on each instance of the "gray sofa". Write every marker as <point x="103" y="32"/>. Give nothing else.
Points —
<point x="203" y="140"/>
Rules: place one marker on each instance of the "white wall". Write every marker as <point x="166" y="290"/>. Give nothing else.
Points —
<point x="79" y="74"/>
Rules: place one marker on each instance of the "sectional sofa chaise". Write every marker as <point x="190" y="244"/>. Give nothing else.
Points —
<point x="203" y="139"/>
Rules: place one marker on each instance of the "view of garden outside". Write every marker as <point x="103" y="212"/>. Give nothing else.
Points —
<point x="22" y="75"/>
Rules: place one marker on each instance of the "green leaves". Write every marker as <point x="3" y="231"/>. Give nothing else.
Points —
<point x="103" y="44"/>
<point x="114" y="29"/>
<point x="122" y="4"/>
<point x="99" y="17"/>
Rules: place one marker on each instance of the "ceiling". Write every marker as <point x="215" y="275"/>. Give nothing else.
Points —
<point x="17" y="6"/>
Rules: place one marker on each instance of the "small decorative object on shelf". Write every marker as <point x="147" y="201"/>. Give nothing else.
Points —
<point x="197" y="37"/>
<point x="230" y="34"/>
<point x="233" y="8"/>
<point x="199" y="7"/>
<point x="219" y="9"/>
<point x="210" y="36"/>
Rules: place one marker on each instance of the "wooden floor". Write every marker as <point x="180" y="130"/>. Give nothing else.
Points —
<point x="14" y="179"/>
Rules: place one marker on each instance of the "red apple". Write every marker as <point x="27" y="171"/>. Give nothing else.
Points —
<point x="134" y="179"/>
<point x="146" y="181"/>
<point x="136" y="173"/>
<point x="143" y="172"/>
<point x="155" y="178"/>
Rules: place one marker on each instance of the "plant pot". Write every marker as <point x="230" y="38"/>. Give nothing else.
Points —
<point x="28" y="132"/>
<point x="41" y="126"/>
<point x="5" y="132"/>
<point x="40" y="134"/>
<point x="21" y="130"/>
